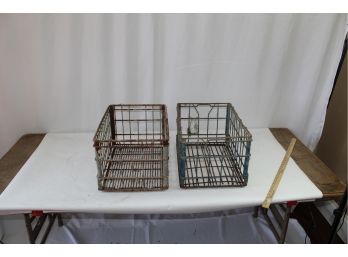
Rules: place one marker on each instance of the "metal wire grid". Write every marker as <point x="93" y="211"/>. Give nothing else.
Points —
<point x="213" y="146"/>
<point x="131" y="146"/>
<point x="134" y="124"/>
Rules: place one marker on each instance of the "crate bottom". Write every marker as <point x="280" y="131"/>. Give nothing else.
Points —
<point x="145" y="173"/>
<point x="210" y="165"/>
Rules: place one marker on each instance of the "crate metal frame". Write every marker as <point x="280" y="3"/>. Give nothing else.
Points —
<point x="213" y="146"/>
<point x="131" y="145"/>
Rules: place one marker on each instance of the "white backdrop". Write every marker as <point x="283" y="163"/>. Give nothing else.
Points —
<point x="59" y="72"/>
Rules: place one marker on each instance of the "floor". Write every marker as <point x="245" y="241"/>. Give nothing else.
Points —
<point x="236" y="226"/>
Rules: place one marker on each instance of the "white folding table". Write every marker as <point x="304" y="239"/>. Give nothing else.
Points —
<point x="60" y="177"/>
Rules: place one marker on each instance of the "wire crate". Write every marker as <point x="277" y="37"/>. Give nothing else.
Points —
<point x="213" y="146"/>
<point x="131" y="145"/>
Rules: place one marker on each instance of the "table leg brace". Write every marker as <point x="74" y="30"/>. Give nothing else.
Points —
<point x="283" y="222"/>
<point x="39" y="218"/>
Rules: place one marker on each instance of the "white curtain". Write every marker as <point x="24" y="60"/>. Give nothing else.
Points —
<point x="59" y="72"/>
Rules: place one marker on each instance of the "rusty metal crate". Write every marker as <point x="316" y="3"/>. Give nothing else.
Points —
<point x="131" y="146"/>
<point x="213" y="146"/>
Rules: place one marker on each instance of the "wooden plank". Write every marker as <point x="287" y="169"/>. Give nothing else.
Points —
<point x="321" y="175"/>
<point x="15" y="158"/>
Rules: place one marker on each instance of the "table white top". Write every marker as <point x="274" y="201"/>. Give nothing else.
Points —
<point x="60" y="176"/>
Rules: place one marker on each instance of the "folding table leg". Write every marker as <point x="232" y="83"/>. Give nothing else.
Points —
<point x="339" y="212"/>
<point x="285" y="224"/>
<point x="39" y="218"/>
<point x="282" y="221"/>
<point x="51" y="218"/>
<point x="60" y="220"/>
<point x="256" y="212"/>
<point x="270" y="223"/>
<point x="29" y="228"/>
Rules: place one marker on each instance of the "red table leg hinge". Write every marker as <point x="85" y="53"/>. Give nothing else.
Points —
<point x="36" y="213"/>
<point x="291" y="203"/>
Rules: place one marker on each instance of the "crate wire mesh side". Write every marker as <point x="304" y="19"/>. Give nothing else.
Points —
<point x="131" y="145"/>
<point x="213" y="146"/>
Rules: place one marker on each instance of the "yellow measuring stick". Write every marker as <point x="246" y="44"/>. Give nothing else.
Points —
<point x="267" y="202"/>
